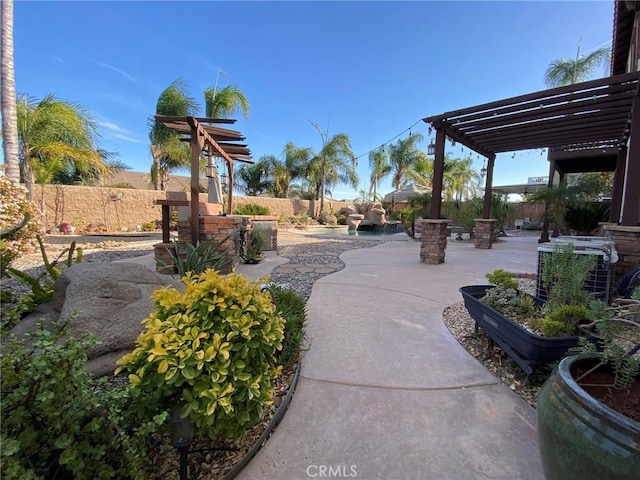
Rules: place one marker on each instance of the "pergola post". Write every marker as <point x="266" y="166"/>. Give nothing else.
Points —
<point x="438" y="174"/>
<point x="196" y="148"/>
<point x="486" y="205"/>
<point x="618" y="185"/>
<point x="630" y="206"/>
<point x="544" y="236"/>
<point x="230" y="174"/>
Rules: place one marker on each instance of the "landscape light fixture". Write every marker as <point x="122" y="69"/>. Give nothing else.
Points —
<point x="182" y="434"/>
<point x="431" y="148"/>
<point x="483" y="170"/>
<point x="210" y="171"/>
<point x="224" y="179"/>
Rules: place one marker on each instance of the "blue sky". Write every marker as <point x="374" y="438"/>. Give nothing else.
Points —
<point x="367" y="69"/>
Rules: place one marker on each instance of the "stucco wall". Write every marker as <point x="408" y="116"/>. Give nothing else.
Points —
<point x="123" y="208"/>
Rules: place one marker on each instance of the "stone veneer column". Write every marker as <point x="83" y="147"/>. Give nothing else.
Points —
<point x="627" y="240"/>
<point x="484" y="232"/>
<point x="433" y="241"/>
<point x="212" y="227"/>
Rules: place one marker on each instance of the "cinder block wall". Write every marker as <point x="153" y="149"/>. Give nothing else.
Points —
<point x="123" y="208"/>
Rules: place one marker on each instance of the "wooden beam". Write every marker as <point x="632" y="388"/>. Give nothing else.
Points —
<point x="631" y="201"/>
<point x="618" y="79"/>
<point x="618" y="186"/>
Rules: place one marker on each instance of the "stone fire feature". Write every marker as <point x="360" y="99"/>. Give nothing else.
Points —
<point x="484" y="232"/>
<point x="433" y="241"/>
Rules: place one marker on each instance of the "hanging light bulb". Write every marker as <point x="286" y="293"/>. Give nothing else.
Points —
<point x="409" y="131"/>
<point x="483" y="170"/>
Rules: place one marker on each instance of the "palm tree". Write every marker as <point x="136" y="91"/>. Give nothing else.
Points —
<point x="459" y="179"/>
<point x="51" y="133"/>
<point x="567" y="71"/>
<point x="166" y="149"/>
<point x="292" y="167"/>
<point x="255" y="179"/>
<point x="335" y="162"/>
<point x="404" y="159"/>
<point x="380" y="168"/>
<point x="224" y="102"/>
<point x="9" y="116"/>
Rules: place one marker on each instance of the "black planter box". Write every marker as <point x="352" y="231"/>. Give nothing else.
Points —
<point x="527" y="349"/>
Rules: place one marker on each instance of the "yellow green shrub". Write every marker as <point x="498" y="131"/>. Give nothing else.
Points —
<point x="211" y="349"/>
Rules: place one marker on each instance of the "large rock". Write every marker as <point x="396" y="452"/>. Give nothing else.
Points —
<point x="108" y="300"/>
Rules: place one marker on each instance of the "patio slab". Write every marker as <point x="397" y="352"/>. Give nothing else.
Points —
<point x="386" y="392"/>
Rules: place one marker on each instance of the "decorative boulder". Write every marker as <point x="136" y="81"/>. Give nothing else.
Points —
<point x="108" y="300"/>
<point x="353" y="220"/>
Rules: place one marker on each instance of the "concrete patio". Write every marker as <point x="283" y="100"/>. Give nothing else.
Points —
<point x="386" y="392"/>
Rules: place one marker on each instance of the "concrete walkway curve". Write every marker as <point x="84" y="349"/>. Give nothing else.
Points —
<point x="386" y="392"/>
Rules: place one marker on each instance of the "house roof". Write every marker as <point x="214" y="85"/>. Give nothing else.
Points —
<point x="594" y="115"/>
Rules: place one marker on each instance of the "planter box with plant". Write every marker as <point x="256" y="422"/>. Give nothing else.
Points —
<point x="530" y="331"/>
<point x="253" y="244"/>
<point x="589" y="409"/>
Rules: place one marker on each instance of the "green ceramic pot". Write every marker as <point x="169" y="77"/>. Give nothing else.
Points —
<point x="580" y="437"/>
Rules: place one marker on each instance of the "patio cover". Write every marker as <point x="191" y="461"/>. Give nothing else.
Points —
<point x="589" y="119"/>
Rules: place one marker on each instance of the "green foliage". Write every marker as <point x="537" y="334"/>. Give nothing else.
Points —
<point x="564" y="274"/>
<point x="211" y="349"/>
<point x="149" y="226"/>
<point x="57" y="422"/>
<point x="502" y="277"/>
<point x="616" y="329"/>
<point x="511" y="303"/>
<point x="187" y="258"/>
<point x="292" y="308"/>
<point x="41" y="285"/>
<point x="251" y="209"/>
<point x="254" y="242"/>
<point x="586" y="217"/>
<point x="564" y="320"/>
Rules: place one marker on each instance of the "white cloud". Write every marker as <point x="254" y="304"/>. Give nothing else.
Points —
<point x="117" y="70"/>
<point x="116" y="132"/>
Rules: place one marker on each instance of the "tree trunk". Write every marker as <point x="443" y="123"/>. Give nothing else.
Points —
<point x="9" y="117"/>
<point x="323" y="186"/>
<point x="27" y="172"/>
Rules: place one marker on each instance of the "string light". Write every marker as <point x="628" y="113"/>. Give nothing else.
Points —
<point x="391" y="140"/>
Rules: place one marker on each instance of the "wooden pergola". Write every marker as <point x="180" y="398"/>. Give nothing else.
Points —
<point x="203" y="135"/>
<point x="586" y="127"/>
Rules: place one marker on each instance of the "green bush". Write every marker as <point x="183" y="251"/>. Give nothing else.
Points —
<point x="150" y="226"/>
<point x="563" y="320"/>
<point x="211" y="349"/>
<point x="292" y="308"/>
<point x="58" y="422"/>
<point x="251" y="209"/>
<point x="502" y="277"/>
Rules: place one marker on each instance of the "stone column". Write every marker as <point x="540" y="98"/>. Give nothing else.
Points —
<point x="433" y="241"/>
<point x="627" y="240"/>
<point x="484" y="232"/>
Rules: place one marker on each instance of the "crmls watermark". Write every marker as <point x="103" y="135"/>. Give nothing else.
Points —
<point x="332" y="471"/>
